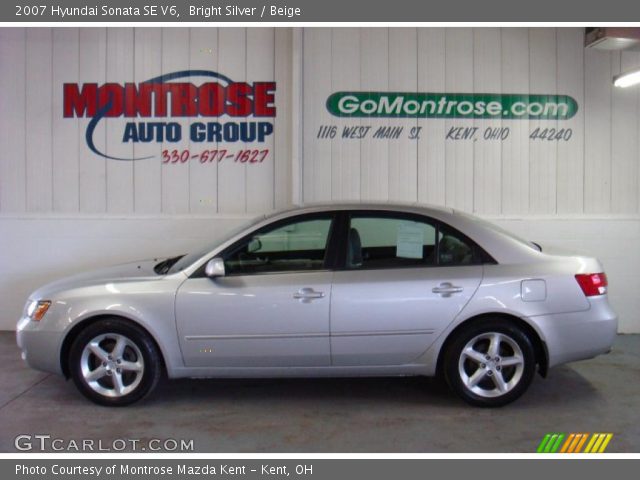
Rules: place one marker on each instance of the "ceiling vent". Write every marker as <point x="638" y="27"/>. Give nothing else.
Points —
<point x="612" y="38"/>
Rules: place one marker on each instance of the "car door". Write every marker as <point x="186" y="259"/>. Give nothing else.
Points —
<point x="405" y="278"/>
<point x="270" y="309"/>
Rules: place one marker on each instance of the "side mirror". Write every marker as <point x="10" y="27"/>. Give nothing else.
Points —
<point x="214" y="268"/>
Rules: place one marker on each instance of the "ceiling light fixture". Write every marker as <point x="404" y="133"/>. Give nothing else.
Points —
<point x="627" y="79"/>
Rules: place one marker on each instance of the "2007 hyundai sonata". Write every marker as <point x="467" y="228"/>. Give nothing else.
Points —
<point x="332" y="290"/>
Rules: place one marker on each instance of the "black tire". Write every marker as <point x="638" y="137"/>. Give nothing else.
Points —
<point x="140" y="382"/>
<point x="459" y="368"/>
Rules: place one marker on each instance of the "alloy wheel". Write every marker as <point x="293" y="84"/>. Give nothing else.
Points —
<point x="491" y="364"/>
<point x="112" y="365"/>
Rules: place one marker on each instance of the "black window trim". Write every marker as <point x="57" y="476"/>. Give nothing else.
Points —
<point x="336" y="255"/>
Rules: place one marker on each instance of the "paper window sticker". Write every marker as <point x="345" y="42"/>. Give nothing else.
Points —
<point x="410" y="240"/>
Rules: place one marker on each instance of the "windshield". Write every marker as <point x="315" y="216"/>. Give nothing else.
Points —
<point x="164" y="266"/>
<point x="184" y="261"/>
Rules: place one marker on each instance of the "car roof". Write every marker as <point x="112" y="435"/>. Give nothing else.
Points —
<point x="501" y="245"/>
<point x="355" y="205"/>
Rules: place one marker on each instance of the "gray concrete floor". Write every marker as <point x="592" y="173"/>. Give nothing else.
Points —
<point x="327" y="415"/>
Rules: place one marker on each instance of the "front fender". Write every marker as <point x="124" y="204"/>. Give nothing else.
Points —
<point x="148" y="304"/>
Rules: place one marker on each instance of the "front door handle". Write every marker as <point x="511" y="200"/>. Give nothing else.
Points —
<point x="307" y="294"/>
<point x="447" y="289"/>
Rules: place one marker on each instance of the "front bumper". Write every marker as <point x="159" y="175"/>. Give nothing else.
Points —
<point x="579" y="335"/>
<point x="40" y="347"/>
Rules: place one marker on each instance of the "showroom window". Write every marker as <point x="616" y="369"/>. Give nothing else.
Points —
<point x="296" y="246"/>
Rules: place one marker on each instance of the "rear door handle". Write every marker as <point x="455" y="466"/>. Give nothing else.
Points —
<point x="307" y="294"/>
<point x="447" y="289"/>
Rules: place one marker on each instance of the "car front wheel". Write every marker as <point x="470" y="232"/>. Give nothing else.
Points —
<point x="490" y="364"/>
<point x="114" y="363"/>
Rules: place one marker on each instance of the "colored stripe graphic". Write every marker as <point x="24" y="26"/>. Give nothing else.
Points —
<point x="550" y="443"/>
<point x="543" y="443"/>
<point x="574" y="442"/>
<point x="566" y="445"/>
<point x="598" y="443"/>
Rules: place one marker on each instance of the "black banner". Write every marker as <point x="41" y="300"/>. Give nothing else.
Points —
<point x="316" y="469"/>
<point x="269" y="11"/>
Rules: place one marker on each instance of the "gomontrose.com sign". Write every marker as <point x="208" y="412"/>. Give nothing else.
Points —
<point x="451" y="105"/>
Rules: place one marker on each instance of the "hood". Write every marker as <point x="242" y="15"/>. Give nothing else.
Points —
<point x="116" y="274"/>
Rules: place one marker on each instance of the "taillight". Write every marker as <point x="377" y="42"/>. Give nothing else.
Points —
<point x="592" y="283"/>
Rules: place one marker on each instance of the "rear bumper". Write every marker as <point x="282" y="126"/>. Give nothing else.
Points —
<point x="39" y="347"/>
<point x="579" y="335"/>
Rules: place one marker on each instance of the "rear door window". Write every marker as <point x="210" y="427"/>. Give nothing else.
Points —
<point x="388" y="242"/>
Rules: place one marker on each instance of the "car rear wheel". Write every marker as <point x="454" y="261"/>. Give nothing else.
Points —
<point x="490" y="364"/>
<point x="114" y="363"/>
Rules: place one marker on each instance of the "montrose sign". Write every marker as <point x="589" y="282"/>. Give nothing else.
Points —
<point x="379" y="107"/>
<point x="200" y="106"/>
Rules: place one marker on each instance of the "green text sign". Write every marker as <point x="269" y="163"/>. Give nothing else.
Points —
<point x="451" y="105"/>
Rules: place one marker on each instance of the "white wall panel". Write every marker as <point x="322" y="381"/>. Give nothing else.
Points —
<point x="316" y="84"/>
<point x="345" y="152"/>
<point x="374" y="153"/>
<point x="570" y="157"/>
<point x="515" y="149"/>
<point x="543" y="77"/>
<point x="487" y="155"/>
<point x="403" y="77"/>
<point x="459" y="153"/>
<point x="624" y="138"/>
<point x="39" y="119"/>
<point x="283" y="124"/>
<point x="175" y="177"/>
<point x="66" y="135"/>
<point x="232" y="183"/>
<point x="93" y="168"/>
<point x="203" y="176"/>
<point x="259" y="176"/>
<point x="13" y="128"/>
<point x="597" y="131"/>
<point x="120" y="64"/>
<point x="147" y="174"/>
<point x="431" y="146"/>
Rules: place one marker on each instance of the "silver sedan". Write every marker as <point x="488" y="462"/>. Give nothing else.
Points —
<point x="332" y="290"/>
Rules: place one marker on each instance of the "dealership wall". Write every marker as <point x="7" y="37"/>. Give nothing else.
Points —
<point x="64" y="209"/>
<point x="580" y="194"/>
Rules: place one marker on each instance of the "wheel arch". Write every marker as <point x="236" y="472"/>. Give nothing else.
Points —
<point x="539" y="346"/>
<point x="73" y="333"/>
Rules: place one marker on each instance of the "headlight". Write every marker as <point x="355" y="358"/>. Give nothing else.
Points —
<point x="37" y="309"/>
